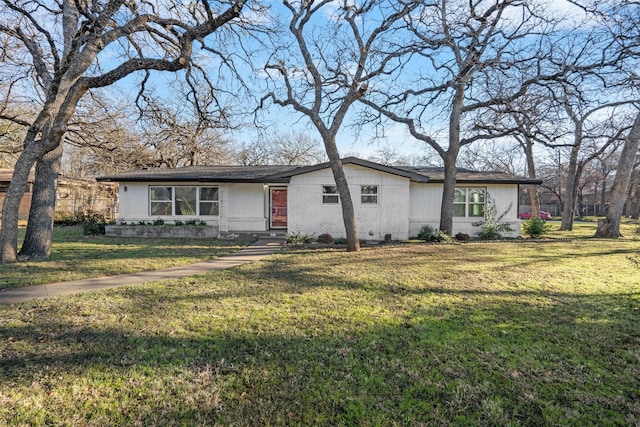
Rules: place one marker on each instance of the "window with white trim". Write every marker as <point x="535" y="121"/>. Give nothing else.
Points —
<point x="160" y="201"/>
<point x="330" y="195"/>
<point x="186" y="201"/>
<point x="369" y="194"/>
<point x="183" y="201"/>
<point x="209" y="201"/>
<point x="469" y="202"/>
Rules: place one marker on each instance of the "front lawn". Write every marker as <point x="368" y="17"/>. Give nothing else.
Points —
<point x="456" y="334"/>
<point x="75" y="256"/>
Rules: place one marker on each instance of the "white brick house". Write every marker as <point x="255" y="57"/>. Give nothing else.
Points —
<point x="303" y="199"/>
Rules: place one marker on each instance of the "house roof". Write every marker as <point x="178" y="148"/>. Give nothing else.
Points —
<point x="436" y="175"/>
<point x="283" y="173"/>
<point x="358" y="162"/>
<point x="203" y="174"/>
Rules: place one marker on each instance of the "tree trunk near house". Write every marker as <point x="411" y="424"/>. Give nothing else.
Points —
<point x="38" y="237"/>
<point x="534" y="200"/>
<point x="52" y="124"/>
<point x="448" y="191"/>
<point x="603" y="197"/>
<point x="634" y="195"/>
<point x="348" y="213"/>
<point x="450" y="157"/>
<point x="571" y="190"/>
<point x="11" y="207"/>
<point x="610" y="226"/>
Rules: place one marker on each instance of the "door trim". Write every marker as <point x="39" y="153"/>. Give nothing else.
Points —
<point x="280" y="213"/>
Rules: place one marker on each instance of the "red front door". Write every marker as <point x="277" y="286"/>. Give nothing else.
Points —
<point x="278" y="208"/>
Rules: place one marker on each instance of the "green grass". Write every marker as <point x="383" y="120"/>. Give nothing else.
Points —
<point x="75" y="256"/>
<point x="478" y="334"/>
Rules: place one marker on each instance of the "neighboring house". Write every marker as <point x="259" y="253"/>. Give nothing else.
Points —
<point x="25" y="203"/>
<point x="303" y="199"/>
<point x="82" y="196"/>
<point x="74" y="195"/>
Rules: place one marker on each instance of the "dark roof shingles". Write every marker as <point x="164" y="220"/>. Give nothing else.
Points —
<point x="283" y="173"/>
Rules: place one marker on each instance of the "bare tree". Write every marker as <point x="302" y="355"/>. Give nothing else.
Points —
<point x="610" y="226"/>
<point x="101" y="138"/>
<point x="290" y="148"/>
<point x="532" y="120"/>
<point x="177" y="133"/>
<point x="14" y="117"/>
<point x="296" y="148"/>
<point x="389" y="155"/>
<point x="493" y="156"/>
<point x="71" y="48"/>
<point x="598" y="134"/>
<point x="469" y="56"/>
<point x="10" y="143"/>
<point x="339" y="48"/>
<point x="634" y="193"/>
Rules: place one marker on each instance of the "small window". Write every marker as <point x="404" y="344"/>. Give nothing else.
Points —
<point x="468" y="202"/>
<point x="476" y="202"/>
<point x="330" y="195"/>
<point x="369" y="194"/>
<point x="459" y="202"/>
<point x="161" y="201"/>
<point x="209" y="204"/>
<point x="186" y="201"/>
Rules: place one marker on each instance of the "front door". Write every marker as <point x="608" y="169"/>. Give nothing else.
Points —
<point x="278" y="216"/>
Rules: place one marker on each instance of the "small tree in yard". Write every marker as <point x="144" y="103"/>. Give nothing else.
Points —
<point x="492" y="227"/>
<point x="535" y="227"/>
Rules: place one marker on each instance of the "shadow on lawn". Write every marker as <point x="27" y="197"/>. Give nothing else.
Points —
<point x="104" y="259"/>
<point x="378" y="353"/>
<point x="429" y="365"/>
<point x="287" y="343"/>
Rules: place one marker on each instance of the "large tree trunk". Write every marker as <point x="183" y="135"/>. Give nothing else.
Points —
<point x="348" y="213"/>
<point x="448" y="191"/>
<point x="610" y="226"/>
<point x="450" y="157"/>
<point x="55" y="115"/>
<point x="38" y="238"/>
<point x="13" y="197"/>
<point x="603" y="197"/>
<point x="634" y="195"/>
<point x="531" y="173"/>
<point x="571" y="190"/>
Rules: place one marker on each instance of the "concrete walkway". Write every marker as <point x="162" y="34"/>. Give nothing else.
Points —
<point x="254" y="252"/>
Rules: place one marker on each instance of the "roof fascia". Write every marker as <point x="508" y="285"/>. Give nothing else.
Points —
<point x="358" y="162"/>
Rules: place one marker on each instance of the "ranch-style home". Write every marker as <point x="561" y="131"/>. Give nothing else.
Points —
<point x="395" y="200"/>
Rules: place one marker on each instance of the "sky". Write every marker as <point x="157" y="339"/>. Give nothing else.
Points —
<point x="350" y="140"/>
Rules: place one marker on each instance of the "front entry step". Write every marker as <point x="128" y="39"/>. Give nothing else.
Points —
<point x="252" y="236"/>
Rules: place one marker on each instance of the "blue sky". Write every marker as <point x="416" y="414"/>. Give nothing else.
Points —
<point x="349" y="140"/>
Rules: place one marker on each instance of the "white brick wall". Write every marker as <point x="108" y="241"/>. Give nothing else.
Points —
<point x="308" y="215"/>
<point x="426" y="200"/>
<point x="242" y="206"/>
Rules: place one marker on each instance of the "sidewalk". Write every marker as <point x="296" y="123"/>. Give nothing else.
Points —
<point x="254" y="252"/>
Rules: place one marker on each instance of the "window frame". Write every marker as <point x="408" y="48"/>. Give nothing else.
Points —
<point x="160" y="201"/>
<point x="467" y="204"/>
<point x="326" y="196"/>
<point x="215" y="203"/>
<point x="173" y="202"/>
<point x="368" y="196"/>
